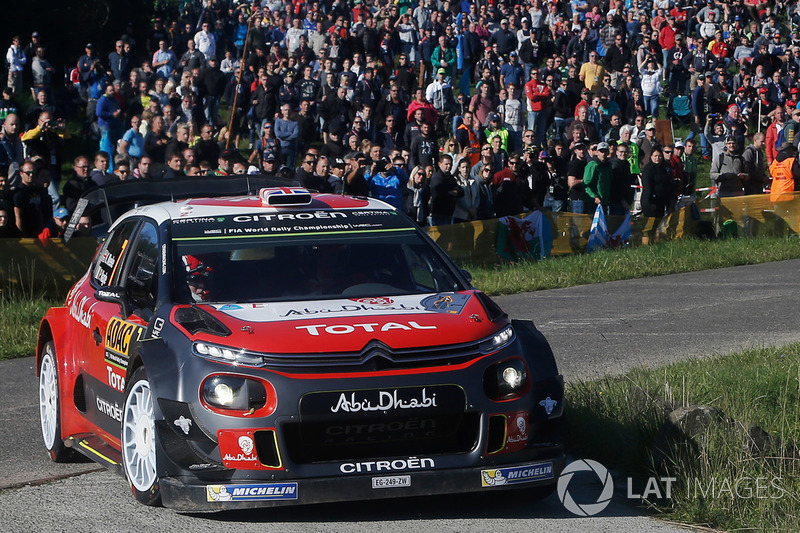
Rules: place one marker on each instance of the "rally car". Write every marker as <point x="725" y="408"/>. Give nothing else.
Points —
<point x="289" y="347"/>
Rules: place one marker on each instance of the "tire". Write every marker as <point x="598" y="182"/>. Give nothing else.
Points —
<point x="139" y="441"/>
<point x="50" y="406"/>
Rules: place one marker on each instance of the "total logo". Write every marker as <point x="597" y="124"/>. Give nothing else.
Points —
<point x="343" y="329"/>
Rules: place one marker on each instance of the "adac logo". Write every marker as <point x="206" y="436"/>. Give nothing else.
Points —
<point x="120" y="334"/>
<point x="585" y="509"/>
<point x="452" y="303"/>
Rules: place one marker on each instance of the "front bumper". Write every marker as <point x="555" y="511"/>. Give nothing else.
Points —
<point x="190" y="495"/>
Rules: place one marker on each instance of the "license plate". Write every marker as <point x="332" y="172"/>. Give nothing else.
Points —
<point x="389" y="482"/>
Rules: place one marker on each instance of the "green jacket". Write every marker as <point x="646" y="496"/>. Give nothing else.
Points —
<point x="449" y="58"/>
<point x="597" y="178"/>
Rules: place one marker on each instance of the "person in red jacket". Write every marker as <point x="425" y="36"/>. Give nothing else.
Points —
<point x="539" y="106"/>
<point x="772" y="134"/>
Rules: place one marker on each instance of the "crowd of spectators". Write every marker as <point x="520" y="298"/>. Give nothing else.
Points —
<point x="452" y="111"/>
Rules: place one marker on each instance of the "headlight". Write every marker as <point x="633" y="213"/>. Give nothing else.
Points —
<point x="498" y="340"/>
<point x="506" y="380"/>
<point x="224" y="353"/>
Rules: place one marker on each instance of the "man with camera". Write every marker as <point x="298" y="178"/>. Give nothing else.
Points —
<point x="45" y="141"/>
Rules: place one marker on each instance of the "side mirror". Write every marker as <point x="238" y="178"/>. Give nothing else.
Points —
<point x="114" y="295"/>
<point x="466" y="274"/>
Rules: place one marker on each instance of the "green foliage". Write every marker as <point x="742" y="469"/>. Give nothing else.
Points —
<point x="672" y="257"/>
<point x="617" y="420"/>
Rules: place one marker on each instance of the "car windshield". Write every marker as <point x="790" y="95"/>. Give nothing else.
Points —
<point x="309" y="267"/>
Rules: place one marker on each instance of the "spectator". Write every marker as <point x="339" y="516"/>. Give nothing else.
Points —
<point x="658" y="188"/>
<point x="728" y="170"/>
<point x="77" y="184"/>
<point x="444" y="193"/>
<point x="15" y="60"/>
<point x="33" y="208"/>
<point x="11" y="149"/>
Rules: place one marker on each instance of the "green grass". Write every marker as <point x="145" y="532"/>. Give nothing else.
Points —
<point x="616" y="421"/>
<point x="19" y="323"/>
<point x="685" y="255"/>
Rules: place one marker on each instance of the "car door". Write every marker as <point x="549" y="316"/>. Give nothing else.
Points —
<point x="131" y="252"/>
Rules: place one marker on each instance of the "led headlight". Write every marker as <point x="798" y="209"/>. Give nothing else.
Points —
<point x="225" y="353"/>
<point x="499" y="340"/>
<point x="506" y="380"/>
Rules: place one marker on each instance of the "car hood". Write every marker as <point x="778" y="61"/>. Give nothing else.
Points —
<point x="347" y="325"/>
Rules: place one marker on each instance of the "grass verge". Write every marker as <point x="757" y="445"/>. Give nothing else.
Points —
<point x="19" y="324"/>
<point x="673" y="257"/>
<point x="727" y="477"/>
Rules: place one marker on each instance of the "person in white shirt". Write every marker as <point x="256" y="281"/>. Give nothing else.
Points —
<point x="206" y="42"/>
<point x="16" y="59"/>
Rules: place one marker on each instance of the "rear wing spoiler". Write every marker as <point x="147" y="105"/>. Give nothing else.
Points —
<point x="107" y="203"/>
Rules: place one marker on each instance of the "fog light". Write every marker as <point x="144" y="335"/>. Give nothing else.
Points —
<point x="512" y="377"/>
<point x="506" y="380"/>
<point x="224" y="394"/>
<point x="234" y="393"/>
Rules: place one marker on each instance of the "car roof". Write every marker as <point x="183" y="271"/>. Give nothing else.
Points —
<point x="234" y="205"/>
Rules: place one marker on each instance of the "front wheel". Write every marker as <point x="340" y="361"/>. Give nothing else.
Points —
<point x="139" y="440"/>
<point x="50" y="406"/>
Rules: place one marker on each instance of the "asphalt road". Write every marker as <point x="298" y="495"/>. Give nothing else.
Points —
<point x="595" y="330"/>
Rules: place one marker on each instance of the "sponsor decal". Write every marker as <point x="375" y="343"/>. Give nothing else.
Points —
<point x="517" y="425"/>
<point x="364" y="306"/>
<point x="376" y="300"/>
<point x="549" y="404"/>
<point x="401" y="401"/>
<point x="251" y="493"/>
<point x="412" y="428"/>
<point x="344" y="329"/>
<point x="81" y="311"/>
<point x="119" y="336"/>
<point x="113" y="411"/>
<point x="237" y="449"/>
<point x="516" y="474"/>
<point x="230" y="307"/>
<point x="452" y="303"/>
<point x="412" y="463"/>
<point x="212" y="231"/>
<point x="195" y="220"/>
<point x="115" y="380"/>
<point x="184" y="423"/>
<point x="387" y="401"/>
<point x="317" y="215"/>
<point x="158" y="326"/>
<point x="163" y="258"/>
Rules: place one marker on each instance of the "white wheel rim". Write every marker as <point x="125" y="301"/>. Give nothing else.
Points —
<point x="138" y="437"/>
<point x="48" y="397"/>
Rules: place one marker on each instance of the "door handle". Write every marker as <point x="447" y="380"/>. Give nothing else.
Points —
<point x="97" y="337"/>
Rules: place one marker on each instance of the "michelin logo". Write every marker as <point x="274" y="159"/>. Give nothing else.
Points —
<point x="251" y="493"/>
<point x="516" y="474"/>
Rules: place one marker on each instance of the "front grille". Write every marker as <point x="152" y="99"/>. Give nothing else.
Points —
<point x="376" y="356"/>
<point x="340" y="439"/>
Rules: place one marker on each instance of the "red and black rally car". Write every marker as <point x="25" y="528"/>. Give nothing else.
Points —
<point x="289" y="348"/>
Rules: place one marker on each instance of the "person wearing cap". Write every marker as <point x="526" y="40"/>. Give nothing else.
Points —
<point x="728" y="170"/>
<point x="440" y="94"/>
<point x="505" y="39"/>
<point x="86" y="63"/>
<point x="495" y="128"/>
<point x="676" y="72"/>
<point x="598" y="177"/>
<point x="735" y="124"/>
<point x="647" y="144"/>
<point x="785" y="174"/>
<point x="512" y="72"/>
